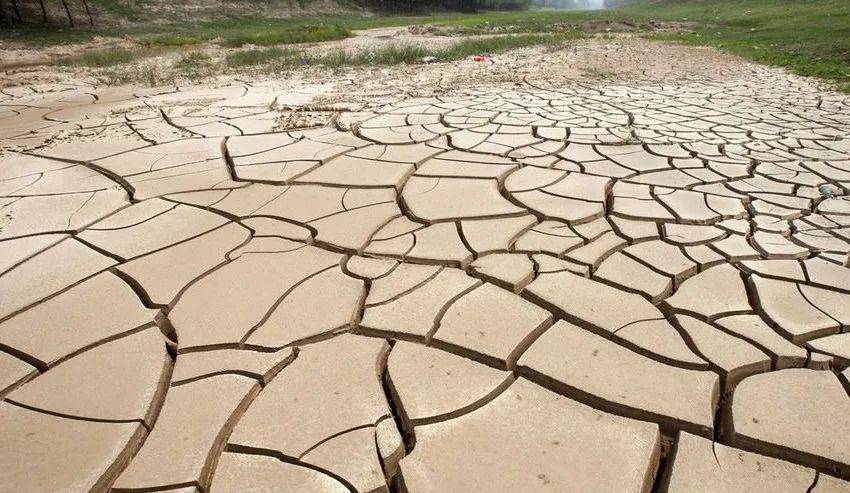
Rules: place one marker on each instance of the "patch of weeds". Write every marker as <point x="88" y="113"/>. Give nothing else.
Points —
<point x="499" y="44"/>
<point x="149" y="73"/>
<point x="101" y="58"/>
<point x="237" y="32"/>
<point x="388" y="55"/>
<point x="397" y="54"/>
<point x="43" y="35"/>
<point x="335" y="59"/>
<point x="394" y="55"/>
<point x="278" y="36"/>
<point x="261" y="56"/>
<point x="193" y="66"/>
<point x="153" y="75"/>
<point x="287" y="63"/>
<point x="193" y="60"/>
<point x="112" y="77"/>
<point x="597" y="73"/>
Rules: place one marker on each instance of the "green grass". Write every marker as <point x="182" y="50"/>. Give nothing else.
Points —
<point x="229" y="33"/>
<point x="237" y="33"/>
<point x="268" y="37"/>
<point x="148" y="73"/>
<point x="389" y="55"/>
<point x="260" y="56"/>
<point x="131" y="11"/>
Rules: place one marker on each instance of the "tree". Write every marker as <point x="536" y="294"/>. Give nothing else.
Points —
<point x="68" y="11"/>
<point x="4" y="19"/>
<point x="18" y="11"/>
<point x="88" y="12"/>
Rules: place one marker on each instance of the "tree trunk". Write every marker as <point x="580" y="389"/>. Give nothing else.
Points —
<point x="88" y="12"/>
<point x="43" y="11"/>
<point x="4" y="19"/>
<point x="16" y="11"/>
<point x="68" y="12"/>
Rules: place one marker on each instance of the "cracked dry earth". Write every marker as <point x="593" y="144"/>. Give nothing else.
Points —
<point x="602" y="288"/>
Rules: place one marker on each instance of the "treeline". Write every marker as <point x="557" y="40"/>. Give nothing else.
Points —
<point x="45" y="11"/>
<point x="78" y="12"/>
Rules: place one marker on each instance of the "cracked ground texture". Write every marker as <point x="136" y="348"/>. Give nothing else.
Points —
<point x="599" y="287"/>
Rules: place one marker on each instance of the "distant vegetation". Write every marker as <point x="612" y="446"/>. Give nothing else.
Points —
<point x="79" y="12"/>
<point x="276" y="58"/>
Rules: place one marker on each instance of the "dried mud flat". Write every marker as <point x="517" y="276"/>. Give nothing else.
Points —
<point x="463" y="277"/>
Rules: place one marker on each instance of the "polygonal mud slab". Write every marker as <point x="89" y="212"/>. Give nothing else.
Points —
<point x="541" y="286"/>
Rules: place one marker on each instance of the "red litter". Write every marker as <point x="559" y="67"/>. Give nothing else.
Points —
<point x="479" y="58"/>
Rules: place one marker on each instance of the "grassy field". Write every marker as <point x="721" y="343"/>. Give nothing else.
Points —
<point x="809" y="37"/>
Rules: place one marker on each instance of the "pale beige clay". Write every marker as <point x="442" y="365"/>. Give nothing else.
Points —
<point x="618" y="267"/>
